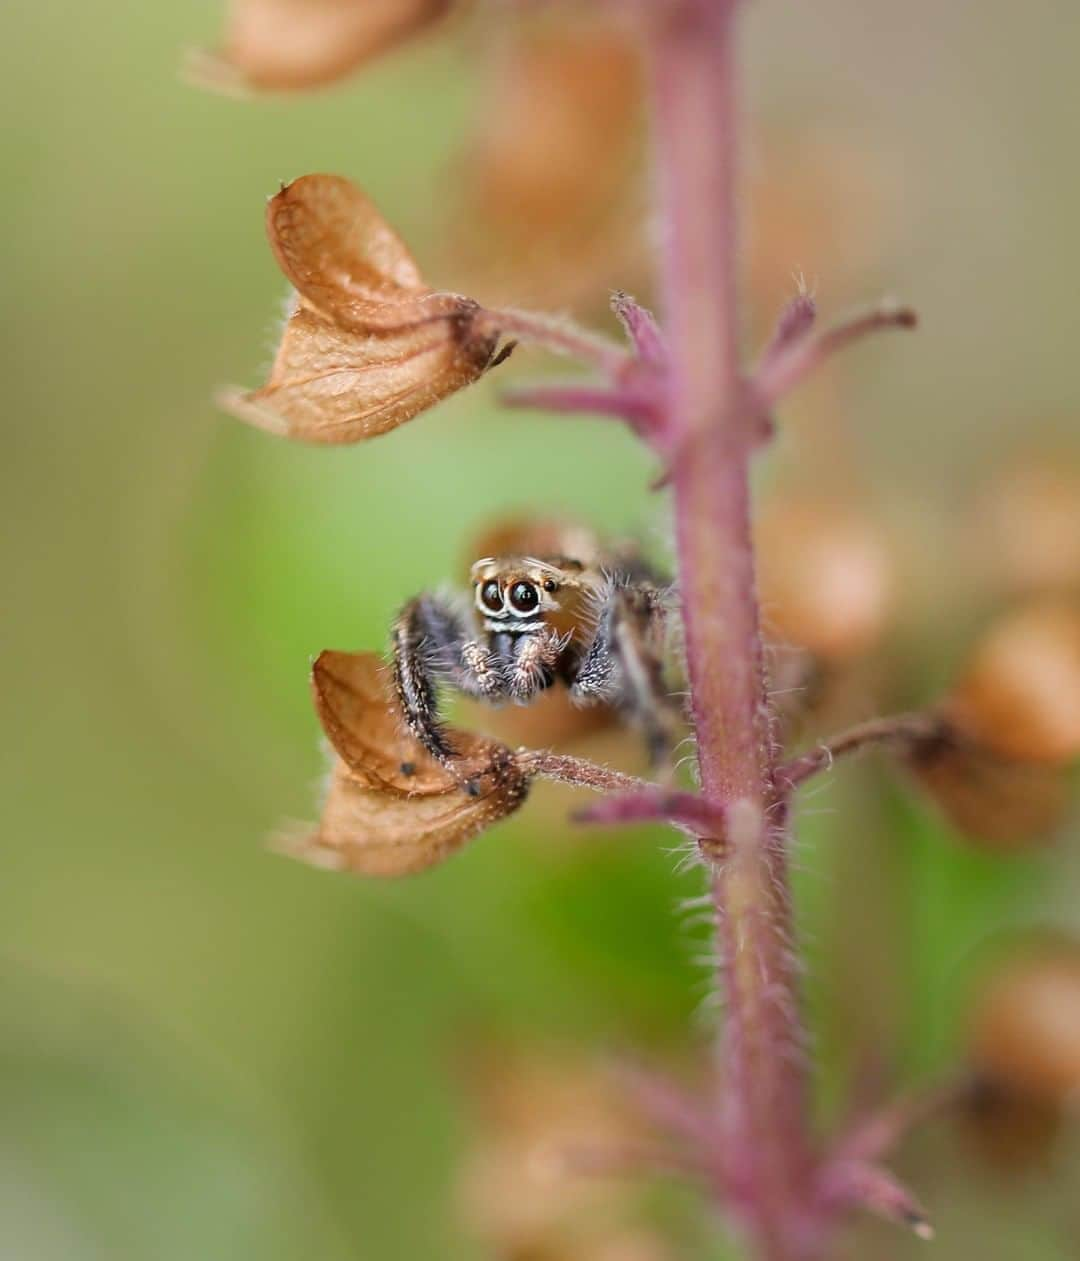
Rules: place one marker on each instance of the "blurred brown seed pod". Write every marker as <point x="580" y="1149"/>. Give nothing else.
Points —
<point x="367" y="345"/>
<point x="294" y="45"/>
<point x="1024" y="1028"/>
<point x="993" y="800"/>
<point x="548" y="209"/>
<point x="1020" y="693"/>
<point x="825" y="578"/>
<point x="531" y="1186"/>
<point x="1008" y="1132"/>
<point x="1025" y="533"/>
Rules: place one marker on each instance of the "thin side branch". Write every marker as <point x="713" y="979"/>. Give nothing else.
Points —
<point x="641" y="329"/>
<point x="561" y="336"/>
<point x="900" y="731"/>
<point x="784" y="367"/>
<point x="627" y="404"/>
<point x="875" y="1136"/>
<point x="578" y="771"/>
<point x="857" y="1184"/>
<point x="686" y="810"/>
<point x="793" y="324"/>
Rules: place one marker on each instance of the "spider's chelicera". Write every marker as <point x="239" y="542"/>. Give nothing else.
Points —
<point x="536" y="622"/>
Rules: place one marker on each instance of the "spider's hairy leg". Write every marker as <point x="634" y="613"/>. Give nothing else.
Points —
<point x="431" y="641"/>
<point x="624" y="666"/>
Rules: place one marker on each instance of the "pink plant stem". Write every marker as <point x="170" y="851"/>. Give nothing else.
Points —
<point x="769" y="1178"/>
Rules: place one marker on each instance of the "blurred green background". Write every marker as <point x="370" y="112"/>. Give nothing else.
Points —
<point x="207" y="1051"/>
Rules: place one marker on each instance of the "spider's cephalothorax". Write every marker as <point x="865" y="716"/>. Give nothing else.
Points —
<point x="534" y="622"/>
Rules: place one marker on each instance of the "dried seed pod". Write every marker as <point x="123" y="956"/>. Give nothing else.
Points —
<point x="826" y="580"/>
<point x="537" y="536"/>
<point x="529" y="1185"/>
<point x="390" y="809"/>
<point x="356" y="707"/>
<point x="1001" y="803"/>
<point x="1020" y="695"/>
<point x="1008" y="1131"/>
<point x="563" y="99"/>
<point x="292" y="45"/>
<point x="1026" y="527"/>
<point x="1024" y="1029"/>
<point x="367" y="345"/>
<point x="379" y="833"/>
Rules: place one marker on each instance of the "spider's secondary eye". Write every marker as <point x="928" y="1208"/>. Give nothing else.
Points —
<point x="524" y="597"/>
<point x="550" y="584"/>
<point x="491" y="597"/>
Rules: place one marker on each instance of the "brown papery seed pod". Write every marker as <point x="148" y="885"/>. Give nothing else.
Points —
<point x="530" y="1185"/>
<point x="1020" y="695"/>
<point x="989" y="799"/>
<point x="293" y="45"/>
<point x="376" y="833"/>
<point x="1024" y="1029"/>
<point x="367" y="345"/>
<point x="1009" y="1132"/>
<point x="1026" y="527"/>
<point x="563" y="100"/>
<point x="826" y="578"/>
<point x="390" y="809"/>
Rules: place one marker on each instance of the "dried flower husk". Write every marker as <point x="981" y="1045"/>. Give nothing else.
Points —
<point x="564" y="99"/>
<point x="996" y="801"/>
<point x="537" y="536"/>
<point x="1026" y="527"/>
<point x="1020" y="694"/>
<point x="293" y="45"/>
<point x="367" y="345"/>
<point x="378" y="833"/>
<point x="1009" y="1132"/>
<point x="826" y="578"/>
<point x="390" y="809"/>
<point x="524" y="1191"/>
<point x="1024" y="1031"/>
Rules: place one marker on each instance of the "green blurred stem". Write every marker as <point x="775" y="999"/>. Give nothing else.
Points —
<point x="768" y="1181"/>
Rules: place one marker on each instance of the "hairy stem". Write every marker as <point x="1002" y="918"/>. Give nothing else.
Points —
<point x="711" y="416"/>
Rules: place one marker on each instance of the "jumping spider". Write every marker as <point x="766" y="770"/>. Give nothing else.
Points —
<point x="535" y="622"/>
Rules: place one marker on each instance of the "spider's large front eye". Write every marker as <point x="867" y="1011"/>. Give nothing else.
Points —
<point x="524" y="597"/>
<point x="491" y="596"/>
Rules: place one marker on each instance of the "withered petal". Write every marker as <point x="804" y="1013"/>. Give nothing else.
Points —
<point x="361" y="719"/>
<point x="990" y="799"/>
<point x="329" y="385"/>
<point x="378" y="833"/>
<point x="347" y="262"/>
<point x="290" y="45"/>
